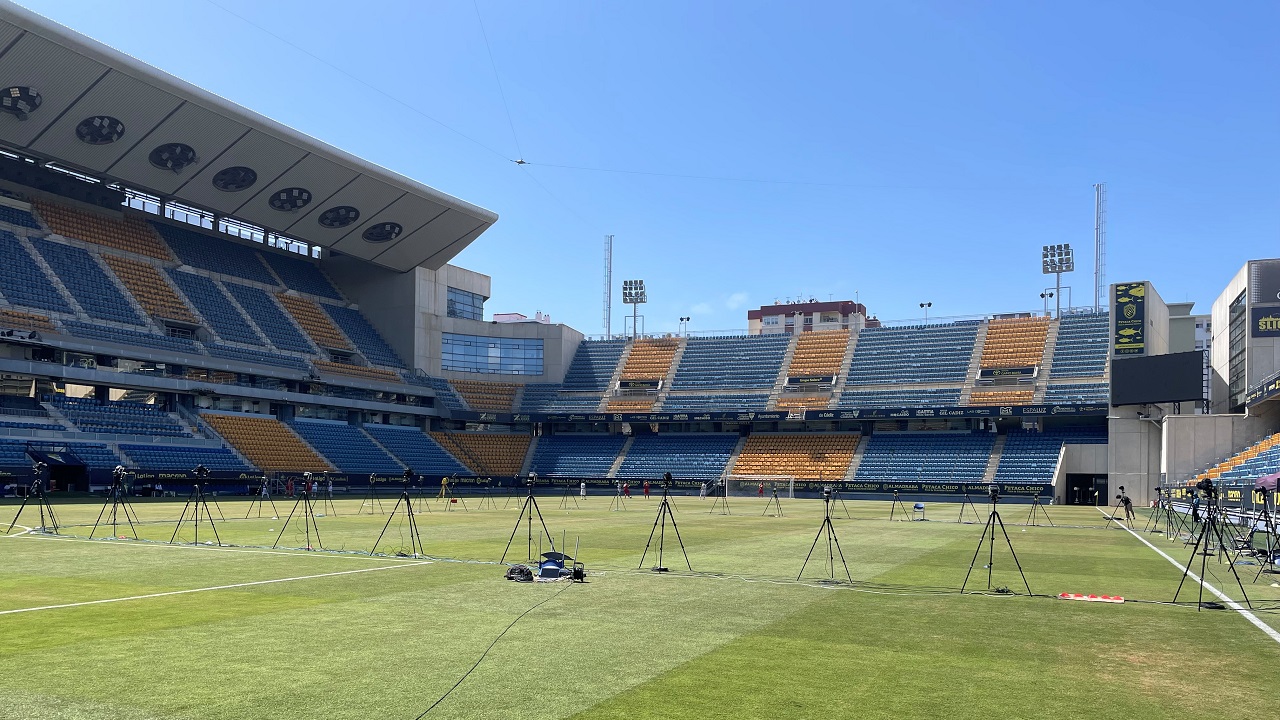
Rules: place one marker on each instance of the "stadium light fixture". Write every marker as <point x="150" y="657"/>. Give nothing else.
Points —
<point x="1055" y="260"/>
<point x="634" y="294"/>
<point x="684" y="326"/>
<point x="925" y="306"/>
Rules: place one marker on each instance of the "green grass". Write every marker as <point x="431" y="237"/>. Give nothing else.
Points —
<point x="738" y="639"/>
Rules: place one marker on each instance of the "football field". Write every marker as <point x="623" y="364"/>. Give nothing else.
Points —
<point x="143" y="629"/>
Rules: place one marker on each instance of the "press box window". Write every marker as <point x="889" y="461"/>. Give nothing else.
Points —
<point x="466" y="305"/>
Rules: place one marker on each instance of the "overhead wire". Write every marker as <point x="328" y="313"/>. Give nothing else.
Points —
<point x="498" y="79"/>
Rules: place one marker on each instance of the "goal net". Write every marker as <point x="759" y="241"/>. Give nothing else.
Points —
<point x="749" y="485"/>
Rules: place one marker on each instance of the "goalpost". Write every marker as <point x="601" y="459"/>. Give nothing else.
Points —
<point x="749" y="485"/>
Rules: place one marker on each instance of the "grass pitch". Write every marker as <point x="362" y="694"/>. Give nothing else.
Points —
<point x="245" y="632"/>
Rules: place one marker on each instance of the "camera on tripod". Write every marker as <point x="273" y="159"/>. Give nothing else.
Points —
<point x="1207" y="488"/>
<point x="408" y="475"/>
<point x="826" y="492"/>
<point x="200" y="471"/>
<point x="993" y="492"/>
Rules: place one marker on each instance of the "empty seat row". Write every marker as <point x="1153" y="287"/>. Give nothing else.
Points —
<point x="697" y="457"/>
<point x="650" y="358"/>
<point x="808" y="456"/>
<point x="1030" y="456"/>
<point x="496" y="454"/>
<point x="913" y="354"/>
<point x="722" y="402"/>
<point x="927" y="397"/>
<point x="819" y="354"/>
<point x="267" y="443"/>
<point x="926" y="456"/>
<point x="344" y="445"/>
<point x="593" y="365"/>
<point x="23" y="282"/>
<point x="416" y="450"/>
<point x="125" y="233"/>
<point x="576" y="455"/>
<point x="747" y="361"/>
<point x="1079" y="393"/>
<point x="367" y="340"/>
<point x="178" y="458"/>
<point x="1082" y="347"/>
<point x="214" y="254"/>
<point x="87" y="282"/>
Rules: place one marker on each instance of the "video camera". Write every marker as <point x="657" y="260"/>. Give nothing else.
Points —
<point x="201" y="471"/>
<point x="993" y="492"/>
<point x="826" y="492"/>
<point x="408" y="475"/>
<point x="1207" y="487"/>
<point x="1121" y="495"/>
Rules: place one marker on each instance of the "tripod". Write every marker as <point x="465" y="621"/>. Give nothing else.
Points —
<point x="1116" y="509"/>
<point x="37" y="490"/>
<point x="896" y="506"/>
<point x="415" y="540"/>
<point x="720" y="495"/>
<point x="664" y="511"/>
<point x="990" y="529"/>
<point x="446" y="494"/>
<point x="1210" y="528"/>
<point x="264" y="493"/>
<point x="370" y="497"/>
<point x="564" y="499"/>
<point x="1269" y="528"/>
<point x="775" y="502"/>
<point x="204" y="491"/>
<point x="967" y="502"/>
<point x="619" y="501"/>
<point x="116" y="499"/>
<point x="838" y="497"/>
<point x="833" y="543"/>
<point x="528" y="510"/>
<point x="197" y="504"/>
<point x="486" y="498"/>
<point x="1037" y="507"/>
<point x="308" y="518"/>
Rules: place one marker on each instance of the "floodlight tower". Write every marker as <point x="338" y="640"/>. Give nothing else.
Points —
<point x="1055" y="260"/>
<point x="633" y="294"/>
<point x="608" y="286"/>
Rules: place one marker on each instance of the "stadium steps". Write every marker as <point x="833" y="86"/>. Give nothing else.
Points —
<point x="616" y="376"/>
<point x="780" y="382"/>
<point x="733" y="458"/>
<point x="460" y="451"/>
<point x="528" y="456"/>
<point x="248" y="317"/>
<point x="517" y="400"/>
<point x="622" y="455"/>
<point x="53" y="276"/>
<point x="56" y="415"/>
<point x="974" y="361"/>
<point x="96" y="254"/>
<point x="857" y="457"/>
<point x="1046" y="361"/>
<point x="138" y="396"/>
<point x="842" y="378"/>
<point x="383" y="448"/>
<point x="671" y="375"/>
<point x="993" y="462"/>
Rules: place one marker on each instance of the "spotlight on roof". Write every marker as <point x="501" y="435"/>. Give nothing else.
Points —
<point x="19" y="101"/>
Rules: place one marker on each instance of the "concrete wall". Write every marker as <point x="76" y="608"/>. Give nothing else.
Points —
<point x="1220" y="353"/>
<point x="1193" y="442"/>
<point x="1157" y="323"/>
<point x="386" y="298"/>
<point x="1133" y="457"/>
<point x="1087" y="459"/>
<point x="559" y="343"/>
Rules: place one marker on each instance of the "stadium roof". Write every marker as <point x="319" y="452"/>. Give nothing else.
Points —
<point x="111" y="116"/>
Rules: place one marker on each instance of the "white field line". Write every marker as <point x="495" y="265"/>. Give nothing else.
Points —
<point x="107" y="542"/>
<point x="25" y="530"/>
<point x="1270" y="631"/>
<point x="208" y="589"/>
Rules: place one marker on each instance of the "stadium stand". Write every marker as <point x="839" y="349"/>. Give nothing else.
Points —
<point x="650" y="359"/>
<point x="445" y="396"/>
<point x="269" y="318"/>
<point x="819" y="354"/>
<point x="214" y="254"/>
<point x="344" y="445"/>
<point x="630" y="404"/>
<point x="987" y="398"/>
<point x="486" y="453"/>
<point x="740" y="361"/>
<point x="119" y="418"/>
<point x="85" y="279"/>
<point x="25" y="321"/>
<point x="1031" y="457"/>
<point x="537" y="397"/>
<point x="576" y="455"/>
<point x="418" y="451"/>
<point x="27" y="425"/>
<point x="1014" y="342"/>
<point x="22" y="282"/>
<point x="1082" y="393"/>
<point x="685" y="456"/>
<point x="95" y="455"/>
<point x="593" y="365"/>
<point x="169" y="458"/>
<point x="367" y="340"/>
<point x="130" y="337"/>
<point x="926" y="456"/>
<point x="942" y="397"/>
<point x="128" y="234"/>
<point x="574" y="404"/>
<point x="913" y="354"/>
<point x="750" y="402"/>
<point x="316" y="324"/>
<point x="811" y="456"/>
<point x="266" y="442"/>
<point x="300" y="275"/>
<point x="223" y="318"/>
<point x="797" y="402"/>
<point x="487" y="396"/>
<point x="229" y="352"/>
<point x="149" y="288"/>
<point x="1082" y="346"/>
<point x="1261" y="458"/>
<point x="360" y="371"/>
<point x="19" y="218"/>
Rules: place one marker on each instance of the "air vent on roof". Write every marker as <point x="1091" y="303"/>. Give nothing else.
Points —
<point x="19" y="101"/>
<point x="290" y="199"/>
<point x="340" y="216"/>
<point x="100" y="130"/>
<point x="173" y="156"/>
<point x="234" y="179"/>
<point x="382" y="232"/>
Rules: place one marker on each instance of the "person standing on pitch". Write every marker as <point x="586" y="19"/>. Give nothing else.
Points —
<point x="702" y="494"/>
<point x="1128" y="506"/>
<point x="288" y="487"/>
<point x="329" y="488"/>
<point x="582" y="488"/>
<point x="626" y="489"/>
<point x="646" y="489"/>
<point x="760" y="492"/>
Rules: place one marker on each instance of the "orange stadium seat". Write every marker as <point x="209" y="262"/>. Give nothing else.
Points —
<point x="819" y="353"/>
<point x="149" y="287"/>
<point x="128" y="234"/>
<point x="267" y="443"/>
<point x="816" y="456"/>
<point x="315" y="322"/>
<point x="650" y="359"/>
<point x="490" y="396"/>
<point x="1014" y="342"/>
<point x="486" y="453"/>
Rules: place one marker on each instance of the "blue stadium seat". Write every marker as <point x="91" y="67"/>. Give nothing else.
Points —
<point x="214" y="254"/>
<point x="593" y="365"/>
<point x="96" y="456"/>
<point x="28" y="425"/>
<point x="1031" y="457"/>
<point x="446" y="397"/>
<point x="20" y="218"/>
<point x="175" y="458"/>
<point x="696" y="457"/>
<point x="131" y="337"/>
<point x="537" y="397"/>
<point x="416" y="450"/>
<point x="367" y="340"/>
<point x="1084" y="342"/>
<point x="913" y="354"/>
<point x="85" y="279"/>
<point x="119" y="418"/>
<point x="576" y="455"/>
<point x="228" y="352"/>
<point x="735" y="362"/>
<point x="717" y="402"/>
<point x="300" y="275"/>
<point x="1080" y="394"/>
<point x="269" y="317"/>
<point x="22" y="282"/>
<point x="929" y="397"/>
<point x="346" y="447"/>
<point x="926" y="456"/>
<point x="221" y="315"/>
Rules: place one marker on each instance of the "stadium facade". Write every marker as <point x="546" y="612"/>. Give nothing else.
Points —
<point x="185" y="282"/>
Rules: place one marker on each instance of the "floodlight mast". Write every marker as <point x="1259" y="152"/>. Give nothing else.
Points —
<point x="1055" y="260"/>
<point x="633" y="294"/>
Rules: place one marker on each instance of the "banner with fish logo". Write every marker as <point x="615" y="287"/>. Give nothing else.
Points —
<point x="1130" y="319"/>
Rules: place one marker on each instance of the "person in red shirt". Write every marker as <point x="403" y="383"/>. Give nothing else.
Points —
<point x="646" y="489"/>
<point x="626" y="489"/>
<point x="760" y="492"/>
<point x="288" y="486"/>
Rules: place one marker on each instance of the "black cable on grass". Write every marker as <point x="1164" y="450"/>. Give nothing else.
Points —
<point x="485" y="654"/>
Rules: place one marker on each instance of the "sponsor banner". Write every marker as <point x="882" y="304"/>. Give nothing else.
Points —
<point x="955" y="412"/>
<point x="1264" y="322"/>
<point x="140" y="476"/>
<point x="639" y="384"/>
<point x="1019" y="372"/>
<point x="1263" y="391"/>
<point x="1130" y="319"/>
<point x="779" y="415"/>
<point x="812" y="380"/>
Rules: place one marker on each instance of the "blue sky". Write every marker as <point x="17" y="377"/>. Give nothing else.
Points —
<point x="904" y="151"/>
